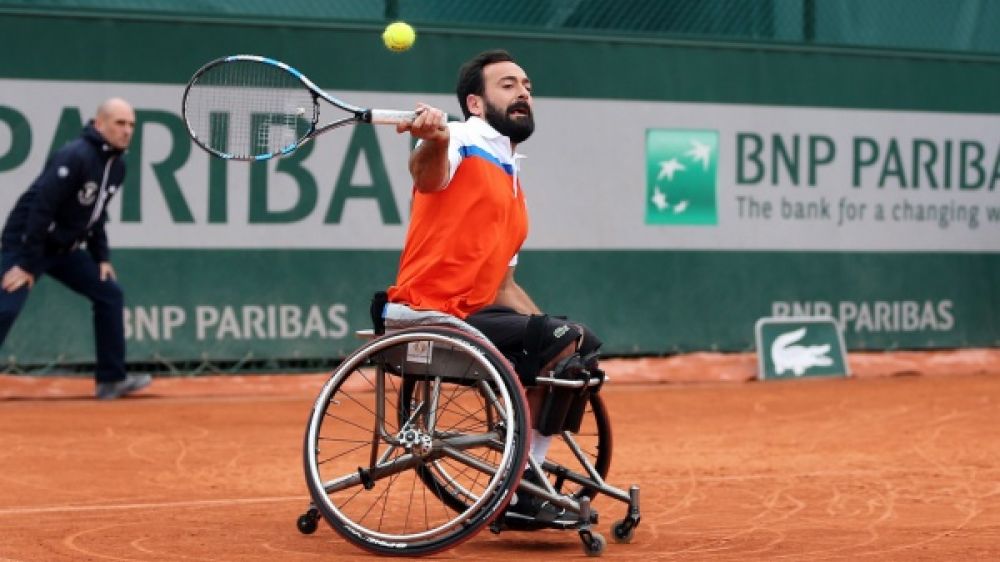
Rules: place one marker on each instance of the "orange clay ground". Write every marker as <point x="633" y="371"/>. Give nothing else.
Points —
<point x="875" y="467"/>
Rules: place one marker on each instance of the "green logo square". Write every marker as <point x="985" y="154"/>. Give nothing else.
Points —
<point x="792" y="347"/>
<point x="681" y="170"/>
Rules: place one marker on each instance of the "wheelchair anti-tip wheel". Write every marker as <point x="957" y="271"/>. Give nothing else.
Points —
<point x="370" y="444"/>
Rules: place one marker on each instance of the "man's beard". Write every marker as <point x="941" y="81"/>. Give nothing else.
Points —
<point x="518" y="129"/>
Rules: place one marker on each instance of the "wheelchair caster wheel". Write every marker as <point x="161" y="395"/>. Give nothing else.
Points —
<point x="308" y="522"/>
<point x="595" y="545"/>
<point x="622" y="532"/>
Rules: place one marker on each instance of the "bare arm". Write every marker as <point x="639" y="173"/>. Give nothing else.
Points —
<point x="511" y="294"/>
<point x="429" y="165"/>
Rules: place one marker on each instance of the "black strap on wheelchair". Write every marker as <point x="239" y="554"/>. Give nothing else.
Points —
<point x="536" y="353"/>
<point x="379" y="301"/>
<point x="590" y="363"/>
<point x="529" y="366"/>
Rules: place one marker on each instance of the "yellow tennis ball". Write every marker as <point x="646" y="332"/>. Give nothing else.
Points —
<point x="398" y="36"/>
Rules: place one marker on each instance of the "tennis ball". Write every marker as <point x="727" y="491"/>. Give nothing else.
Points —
<point x="398" y="36"/>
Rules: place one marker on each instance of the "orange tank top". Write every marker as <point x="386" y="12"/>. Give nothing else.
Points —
<point x="461" y="240"/>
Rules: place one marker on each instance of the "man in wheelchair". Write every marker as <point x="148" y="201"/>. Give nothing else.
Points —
<point x="468" y="222"/>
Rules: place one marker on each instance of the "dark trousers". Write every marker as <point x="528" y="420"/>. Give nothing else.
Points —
<point x="508" y="331"/>
<point x="78" y="271"/>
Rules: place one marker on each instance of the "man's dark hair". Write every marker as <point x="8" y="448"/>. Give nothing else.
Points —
<point x="470" y="76"/>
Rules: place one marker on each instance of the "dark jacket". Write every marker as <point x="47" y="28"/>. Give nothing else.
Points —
<point x="66" y="205"/>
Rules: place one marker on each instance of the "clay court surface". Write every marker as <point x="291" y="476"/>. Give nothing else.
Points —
<point x="868" y="468"/>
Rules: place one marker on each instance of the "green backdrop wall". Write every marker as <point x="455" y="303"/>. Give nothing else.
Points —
<point x="219" y="267"/>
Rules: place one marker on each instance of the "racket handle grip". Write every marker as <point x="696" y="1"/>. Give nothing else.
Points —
<point x="391" y="116"/>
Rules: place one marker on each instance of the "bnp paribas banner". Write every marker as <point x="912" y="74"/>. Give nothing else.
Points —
<point x="666" y="226"/>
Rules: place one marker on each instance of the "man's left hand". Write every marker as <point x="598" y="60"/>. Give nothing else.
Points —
<point x="107" y="272"/>
<point x="15" y="278"/>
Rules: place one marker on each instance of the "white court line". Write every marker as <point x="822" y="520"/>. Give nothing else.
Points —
<point x="56" y="401"/>
<point x="162" y="505"/>
<point x="277" y="499"/>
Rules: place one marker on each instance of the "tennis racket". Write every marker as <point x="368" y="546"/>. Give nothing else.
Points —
<point x="247" y="107"/>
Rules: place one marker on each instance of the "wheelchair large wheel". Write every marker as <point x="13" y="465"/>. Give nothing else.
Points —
<point x="366" y="453"/>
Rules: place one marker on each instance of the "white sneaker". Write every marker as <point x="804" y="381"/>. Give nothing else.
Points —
<point x="117" y="389"/>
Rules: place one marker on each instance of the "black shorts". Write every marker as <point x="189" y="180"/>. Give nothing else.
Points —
<point x="507" y="329"/>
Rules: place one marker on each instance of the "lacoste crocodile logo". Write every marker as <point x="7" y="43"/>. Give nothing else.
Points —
<point x="798" y="358"/>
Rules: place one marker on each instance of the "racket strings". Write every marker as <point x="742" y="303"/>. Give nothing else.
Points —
<point x="246" y="109"/>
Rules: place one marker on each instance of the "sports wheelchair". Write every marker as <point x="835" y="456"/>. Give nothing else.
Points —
<point x="419" y="440"/>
